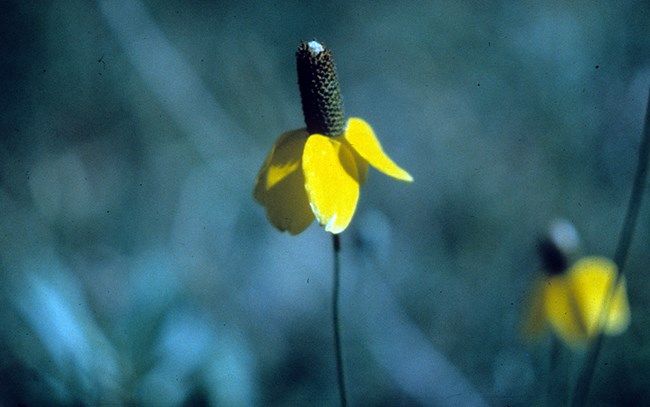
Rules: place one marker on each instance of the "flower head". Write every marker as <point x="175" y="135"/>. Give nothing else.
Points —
<point x="569" y="298"/>
<point x="316" y="172"/>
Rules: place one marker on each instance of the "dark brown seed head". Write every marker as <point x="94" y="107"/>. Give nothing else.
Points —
<point x="553" y="259"/>
<point x="558" y="249"/>
<point x="319" y="90"/>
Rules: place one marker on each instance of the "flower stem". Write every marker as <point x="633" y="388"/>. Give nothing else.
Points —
<point x="337" y="325"/>
<point x="558" y="385"/>
<point x="620" y="256"/>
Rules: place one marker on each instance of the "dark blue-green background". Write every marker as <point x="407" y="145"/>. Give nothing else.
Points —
<point x="137" y="269"/>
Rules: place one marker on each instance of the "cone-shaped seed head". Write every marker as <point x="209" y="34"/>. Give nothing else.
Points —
<point x="554" y="260"/>
<point x="319" y="90"/>
<point x="559" y="246"/>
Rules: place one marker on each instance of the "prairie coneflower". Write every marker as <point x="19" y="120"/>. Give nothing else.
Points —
<point x="315" y="172"/>
<point x="569" y="297"/>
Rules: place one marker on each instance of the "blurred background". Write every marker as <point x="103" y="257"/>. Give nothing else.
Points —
<point x="137" y="269"/>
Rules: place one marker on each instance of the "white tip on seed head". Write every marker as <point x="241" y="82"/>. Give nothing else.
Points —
<point x="315" y="47"/>
<point x="565" y="235"/>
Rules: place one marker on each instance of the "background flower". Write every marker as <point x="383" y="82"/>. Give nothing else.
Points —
<point x="570" y="302"/>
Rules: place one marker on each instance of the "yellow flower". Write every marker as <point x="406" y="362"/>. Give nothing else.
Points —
<point x="316" y="172"/>
<point x="570" y="303"/>
<point x="309" y="176"/>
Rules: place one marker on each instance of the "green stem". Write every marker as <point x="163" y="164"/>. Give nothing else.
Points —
<point x="337" y="325"/>
<point x="558" y="375"/>
<point x="620" y="256"/>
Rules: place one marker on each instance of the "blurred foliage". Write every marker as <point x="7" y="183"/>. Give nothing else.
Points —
<point x="136" y="268"/>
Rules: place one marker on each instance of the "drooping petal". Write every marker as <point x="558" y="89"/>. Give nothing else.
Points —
<point x="562" y="312"/>
<point x="362" y="139"/>
<point x="591" y="278"/>
<point x="280" y="184"/>
<point x="618" y="319"/>
<point x="331" y="181"/>
<point x="362" y="164"/>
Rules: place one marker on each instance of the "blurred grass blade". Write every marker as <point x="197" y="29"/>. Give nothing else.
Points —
<point x="586" y="377"/>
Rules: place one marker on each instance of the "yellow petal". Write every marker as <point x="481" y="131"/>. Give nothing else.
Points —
<point x="362" y="138"/>
<point x="362" y="164"/>
<point x="591" y="279"/>
<point x="618" y="318"/>
<point x="280" y="184"/>
<point x="331" y="181"/>
<point x="562" y="311"/>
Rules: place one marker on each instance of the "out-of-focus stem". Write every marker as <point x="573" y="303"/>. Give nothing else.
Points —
<point x="620" y="256"/>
